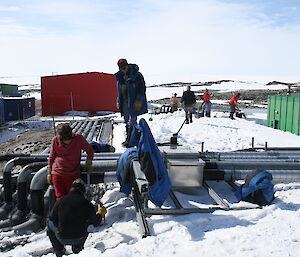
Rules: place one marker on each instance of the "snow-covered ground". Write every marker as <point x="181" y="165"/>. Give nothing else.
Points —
<point x="273" y="231"/>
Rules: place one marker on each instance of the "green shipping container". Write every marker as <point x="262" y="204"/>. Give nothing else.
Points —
<point x="284" y="113"/>
<point x="8" y="89"/>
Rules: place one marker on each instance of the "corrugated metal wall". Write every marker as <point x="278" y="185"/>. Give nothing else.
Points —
<point x="92" y="92"/>
<point x="284" y="113"/>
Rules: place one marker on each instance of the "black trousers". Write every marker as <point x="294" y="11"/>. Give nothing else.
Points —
<point x="58" y="242"/>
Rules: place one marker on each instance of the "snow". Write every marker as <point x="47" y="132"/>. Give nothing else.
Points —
<point x="272" y="231"/>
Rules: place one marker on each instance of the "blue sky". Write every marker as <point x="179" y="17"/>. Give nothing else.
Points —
<point x="171" y="40"/>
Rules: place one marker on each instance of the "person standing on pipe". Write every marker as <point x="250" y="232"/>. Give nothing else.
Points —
<point x="70" y="217"/>
<point x="131" y="100"/>
<point x="233" y="105"/>
<point x="64" y="159"/>
<point x="188" y="100"/>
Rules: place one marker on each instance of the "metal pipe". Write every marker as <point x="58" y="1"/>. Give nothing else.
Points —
<point x="22" y="183"/>
<point x="74" y="124"/>
<point x="7" y="173"/>
<point x="249" y="158"/>
<point x="34" y="224"/>
<point x="279" y="176"/>
<point x="87" y="128"/>
<point x="164" y="211"/>
<point x="98" y="136"/>
<point x="78" y="125"/>
<point x="269" y="153"/>
<point x="82" y="127"/>
<point x="5" y="209"/>
<point x="92" y="131"/>
<point x="260" y="159"/>
<point x="247" y="165"/>
<point x="22" y="191"/>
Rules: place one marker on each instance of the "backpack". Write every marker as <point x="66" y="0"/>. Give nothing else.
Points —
<point x="257" y="188"/>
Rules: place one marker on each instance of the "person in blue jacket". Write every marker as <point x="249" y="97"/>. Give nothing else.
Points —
<point x="131" y="100"/>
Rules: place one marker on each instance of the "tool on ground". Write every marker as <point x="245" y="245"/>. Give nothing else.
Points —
<point x="151" y="119"/>
<point x="173" y="139"/>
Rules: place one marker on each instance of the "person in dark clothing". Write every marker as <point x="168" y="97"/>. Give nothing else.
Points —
<point x="131" y="100"/>
<point x="233" y="105"/>
<point x="188" y="100"/>
<point x="69" y="219"/>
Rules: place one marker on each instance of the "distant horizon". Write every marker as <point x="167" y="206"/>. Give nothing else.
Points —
<point x="35" y="80"/>
<point x="171" y="40"/>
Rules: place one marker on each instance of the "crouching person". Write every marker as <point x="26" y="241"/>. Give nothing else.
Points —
<point x="69" y="219"/>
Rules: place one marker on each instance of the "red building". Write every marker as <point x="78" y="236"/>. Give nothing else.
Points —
<point x="91" y="91"/>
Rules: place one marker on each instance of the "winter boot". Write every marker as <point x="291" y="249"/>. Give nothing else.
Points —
<point x="207" y="114"/>
<point x="126" y="128"/>
<point x="60" y="252"/>
<point x="77" y="248"/>
<point x="231" y="116"/>
<point x="128" y="134"/>
<point x="186" y="118"/>
<point x="191" y="119"/>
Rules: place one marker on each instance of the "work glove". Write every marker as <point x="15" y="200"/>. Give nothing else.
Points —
<point x="102" y="210"/>
<point x="49" y="177"/>
<point x="137" y="105"/>
<point x="111" y="148"/>
<point x="89" y="166"/>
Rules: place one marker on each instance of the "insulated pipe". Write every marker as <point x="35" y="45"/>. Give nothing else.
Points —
<point x="46" y="151"/>
<point x="74" y="124"/>
<point x="82" y="127"/>
<point x="46" y="155"/>
<point x="7" y="173"/>
<point x="22" y="183"/>
<point x="251" y="165"/>
<point x="100" y="131"/>
<point x="92" y="131"/>
<point x="259" y="159"/>
<point x="39" y="183"/>
<point x="75" y="129"/>
<point x="102" y="166"/>
<point x="37" y="186"/>
<point x="5" y="209"/>
<point x="273" y="149"/>
<point x="279" y="176"/>
<point x="270" y="153"/>
<point x="17" y="218"/>
<point x="87" y="128"/>
<point x="34" y="224"/>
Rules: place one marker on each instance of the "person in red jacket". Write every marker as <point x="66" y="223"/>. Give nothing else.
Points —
<point x="64" y="159"/>
<point x="206" y="105"/>
<point x="233" y="105"/>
